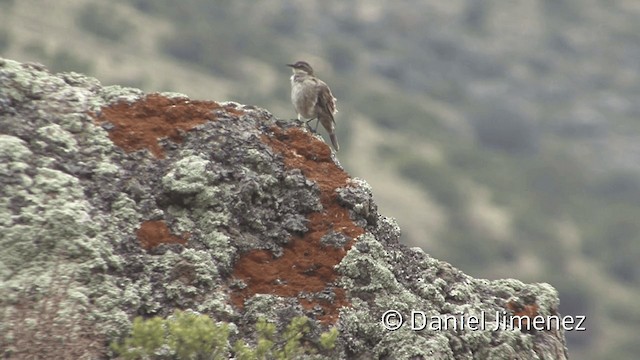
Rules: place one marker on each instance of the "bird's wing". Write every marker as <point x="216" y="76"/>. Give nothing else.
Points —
<point x="326" y="99"/>
<point x="309" y="97"/>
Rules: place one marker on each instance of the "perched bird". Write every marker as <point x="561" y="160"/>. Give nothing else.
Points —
<point x="312" y="99"/>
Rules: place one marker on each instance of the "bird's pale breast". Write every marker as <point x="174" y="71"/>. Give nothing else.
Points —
<point x="304" y="96"/>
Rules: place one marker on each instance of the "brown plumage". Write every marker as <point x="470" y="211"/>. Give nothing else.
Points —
<point x="312" y="99"/>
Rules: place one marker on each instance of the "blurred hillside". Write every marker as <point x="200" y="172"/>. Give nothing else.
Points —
<point x="503" y="136"/>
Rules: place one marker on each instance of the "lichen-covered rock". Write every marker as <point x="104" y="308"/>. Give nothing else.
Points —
<point x="116" y="204"/>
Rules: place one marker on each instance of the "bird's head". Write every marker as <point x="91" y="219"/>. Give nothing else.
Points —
<point x="301" y="67"/>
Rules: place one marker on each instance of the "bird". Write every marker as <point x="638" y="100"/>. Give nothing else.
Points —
<point x="312" y="99"/>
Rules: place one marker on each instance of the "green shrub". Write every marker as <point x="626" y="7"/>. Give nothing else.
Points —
<point x="188" y="335"/>
<point x="328" y="339"/>
<point x="198" y="335"/>
<point x="146" y="337"/>
<point x="286" y="346"/>
<point x="185" y="335"/>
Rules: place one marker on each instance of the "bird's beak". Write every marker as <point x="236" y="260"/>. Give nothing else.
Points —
<point x="291" y="65"/>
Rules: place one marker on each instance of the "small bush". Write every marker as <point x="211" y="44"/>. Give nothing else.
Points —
<point x="185" y="335"/>
<point x="287" y="346"/>
<point x="198" y="335"/>
<point x="328" y="339"/>
<point x="146" y="337"/>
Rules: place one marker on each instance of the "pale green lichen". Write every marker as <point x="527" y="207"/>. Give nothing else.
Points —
<point x="187" y="177"/>
<point x="406" y="344"/>
<point x="173" y="95"/>
<point x="74" y="123"/>
<point x="213" y="196"/>
<point x="106" y="169"/>
<point x="27" y="81"/>
<point x="216" y="302"/>
<point x="206" y="272"/>
<point x="263" y="305"/>
<point x="220" y="245"/>
<point x="368" y="266"/>
<point x="53" y="244"/>
<point x="57" y="139"/>
<point x="117" y="93"/>
<point x="13" y="149"/>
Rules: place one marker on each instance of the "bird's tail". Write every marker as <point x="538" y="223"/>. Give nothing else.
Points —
<point x="334" y="141"/>
<point x="327" y="121"/>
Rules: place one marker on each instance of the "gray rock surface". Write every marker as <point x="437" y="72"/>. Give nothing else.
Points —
<point x="115" y="203"/>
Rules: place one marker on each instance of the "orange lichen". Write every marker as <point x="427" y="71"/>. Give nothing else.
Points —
<point x="523" y="312"/>
<point x="306" y="266"/>
<point x="154" y="232"/>
<point x="141" y="124"/>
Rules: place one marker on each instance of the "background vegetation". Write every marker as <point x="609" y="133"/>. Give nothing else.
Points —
<point x="502" y="136"/>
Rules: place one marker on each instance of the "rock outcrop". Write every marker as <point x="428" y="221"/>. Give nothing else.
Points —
<point x="115" y="204"/>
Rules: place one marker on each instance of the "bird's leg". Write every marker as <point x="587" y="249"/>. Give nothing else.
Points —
<point x="309" y="126"/>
